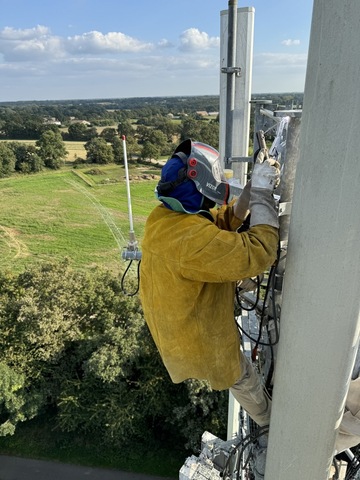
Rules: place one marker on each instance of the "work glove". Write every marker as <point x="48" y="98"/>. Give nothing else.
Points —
<point x="241" y="206"/>
<point x="266" y="172"/>
<point x="264" y="179"/>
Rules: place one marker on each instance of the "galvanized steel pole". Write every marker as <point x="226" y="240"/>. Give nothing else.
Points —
<point x="230" y="90"/>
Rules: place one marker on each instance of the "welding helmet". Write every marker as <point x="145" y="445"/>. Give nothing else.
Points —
<point x="201" y="165"/>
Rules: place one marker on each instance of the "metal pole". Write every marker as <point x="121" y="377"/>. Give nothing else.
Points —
<point x="131" y="252"/>
<point x="235" y="123"/>
<point x="235" y="112"/>
<point x="320" y="318"/>
<point x="230" y="87"/>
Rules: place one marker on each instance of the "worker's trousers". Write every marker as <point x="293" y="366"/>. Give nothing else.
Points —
<point x="249" y="392"/>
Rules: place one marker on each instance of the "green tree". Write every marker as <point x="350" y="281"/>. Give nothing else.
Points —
<point x="52" y="149"/>
<point x="7" y="160"/>
<point x="73" y="342"/>
<point x="81" y="132"/>
<point x="150" y="151"/>
<point x="12" y="399"/>
<point x="27" y="158"/>
<point x="98" y="151"/>
<point x="108" y="134"/>
<point x="125" y="128"/>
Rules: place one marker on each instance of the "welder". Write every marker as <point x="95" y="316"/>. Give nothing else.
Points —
<point x="192" y="257"/>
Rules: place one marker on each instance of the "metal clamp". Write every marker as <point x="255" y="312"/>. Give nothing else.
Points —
<point x="284" y="208"/>
<point x="236" y="70"/>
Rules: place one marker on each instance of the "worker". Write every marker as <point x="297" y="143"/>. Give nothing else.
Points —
<point x="192" y="257"/>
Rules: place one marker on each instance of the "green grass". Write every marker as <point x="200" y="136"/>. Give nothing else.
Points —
<point x="37" y="439"/>
<point x="57" y="214"/>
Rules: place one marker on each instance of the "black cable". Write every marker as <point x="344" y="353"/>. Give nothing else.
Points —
<point x="262" y="316"/>
<point x="244" y="443"/>
<point x="258" y="281"/>
<point x="138" y="280"/>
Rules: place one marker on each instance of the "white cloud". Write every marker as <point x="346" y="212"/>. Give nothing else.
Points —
<point x="9" y="33"/>
<point x="194" y="40"/>
<point x="29" y="44"/>
<point x="290" y="42"/>
<point x="112" y="42"/>
<point x="165" y="43"/>
<point x="37" y="44"/>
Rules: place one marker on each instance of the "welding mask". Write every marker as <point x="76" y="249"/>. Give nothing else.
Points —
<point x="201" y="166"/>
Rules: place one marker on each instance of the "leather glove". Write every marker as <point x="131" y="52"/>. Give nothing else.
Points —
<point x="241" y="206"/>
<point x="266" y="172"/>
<point x="262" y="208"/>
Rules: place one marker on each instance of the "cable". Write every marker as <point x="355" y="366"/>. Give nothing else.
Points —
<point x="138" y="280"/>
<point x="258" y="281"/>
<point x="257" y="341"/>
<point x="243" y="443"/>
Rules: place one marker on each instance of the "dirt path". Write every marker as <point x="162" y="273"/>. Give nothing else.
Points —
<point x="10" y="237"/>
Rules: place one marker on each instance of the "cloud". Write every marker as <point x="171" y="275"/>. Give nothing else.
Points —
<point x="165" y="43"/>
<point x="194" y="40"/>
<point x="9" y="33"/>
<point x="29" y="44"/>
<point x="290" y="42"/>
<point x="280" y="59"/>
<point x="112" y="42"/>
<point x="39" y="44"/>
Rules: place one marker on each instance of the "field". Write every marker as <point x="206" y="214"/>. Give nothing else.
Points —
<point x="79" y="213"/>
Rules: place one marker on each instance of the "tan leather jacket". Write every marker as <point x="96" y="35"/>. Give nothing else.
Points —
<point x="188" y="272"/>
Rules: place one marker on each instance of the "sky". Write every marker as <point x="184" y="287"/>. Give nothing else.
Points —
<point x="89" y="49"/>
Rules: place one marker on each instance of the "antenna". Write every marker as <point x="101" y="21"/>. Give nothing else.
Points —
<point x="131" y="252"/>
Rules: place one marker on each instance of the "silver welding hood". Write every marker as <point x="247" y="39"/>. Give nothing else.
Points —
<point x="203" y="167"/>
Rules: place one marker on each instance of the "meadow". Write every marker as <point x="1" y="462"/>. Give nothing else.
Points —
<point x="78" y="213"/>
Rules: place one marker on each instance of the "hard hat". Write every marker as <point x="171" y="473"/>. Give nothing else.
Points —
<point x="201" y="166"/>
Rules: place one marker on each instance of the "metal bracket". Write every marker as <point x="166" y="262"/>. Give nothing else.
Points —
<point x="240" y="159"/>
<point x="284" y="208"/>
<point x="231" y="70"/>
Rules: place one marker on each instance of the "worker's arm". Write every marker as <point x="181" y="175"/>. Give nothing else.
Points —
<point x="216" y="255"/>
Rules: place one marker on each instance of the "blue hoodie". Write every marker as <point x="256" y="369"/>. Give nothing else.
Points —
<point x="189" y="199"/>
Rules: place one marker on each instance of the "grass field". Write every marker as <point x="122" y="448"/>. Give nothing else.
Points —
<point x="81" y="214"/>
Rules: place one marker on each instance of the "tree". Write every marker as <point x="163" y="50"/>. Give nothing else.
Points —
<point x="81" y="132"/>
<point x="27" y="158"/>
<point x="7" y="160"/>
<point x="150" y="151"/>
<point x="73" y="342"/>
<point x="51" y="149"/>
<point x="108" y="134"/>
<point x="125" y="128"/>
<point x="117" y="150"/>
<point x="98" y="151"/>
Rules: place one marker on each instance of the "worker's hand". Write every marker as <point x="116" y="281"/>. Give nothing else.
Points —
<point x="266" y="172"/>
<point x="241" y="206"/>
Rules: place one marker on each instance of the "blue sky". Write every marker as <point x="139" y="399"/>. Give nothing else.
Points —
<point x="82" y="49"/>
